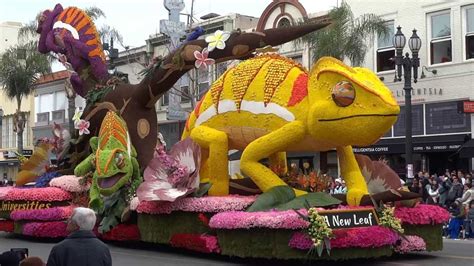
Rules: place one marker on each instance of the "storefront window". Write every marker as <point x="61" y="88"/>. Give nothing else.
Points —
<point x="445" y="118"/>
<point x="416" y="121"/>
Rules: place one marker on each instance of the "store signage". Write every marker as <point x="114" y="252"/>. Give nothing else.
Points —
<point x="336" y="219"/>
<point x="468" y="106"/>
<point x="421" y="92"/>
<point x="12" y="155"/>
<point x="400" y="148"/>
<point x="435" y="147"/>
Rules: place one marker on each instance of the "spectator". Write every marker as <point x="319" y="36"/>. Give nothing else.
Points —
<point x="32" y="261"/>
<point x="469" y="222"/>
<point x="433" y="191"/>
<point x="455" y="191"/>
<point x="457" y="216"/>
<point x="443" y="191"/>
<point x="468" y="195"/>
<point x="9" y="258"/>
<point x="340" y="187"/>
<point x="81" y="247"/>
<point x="416" y="187"/>
<point x="461" y="177"/>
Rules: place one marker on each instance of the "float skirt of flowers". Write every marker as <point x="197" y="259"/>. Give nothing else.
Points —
<point x="123" y="232"/>
<point x="6" y="226"/>
<point x="51" y="214"/>
<point x="200" y="243"/>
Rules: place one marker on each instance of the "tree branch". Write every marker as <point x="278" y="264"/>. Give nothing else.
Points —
<point x="238" y="46"/>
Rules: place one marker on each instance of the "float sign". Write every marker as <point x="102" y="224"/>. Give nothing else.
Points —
<point x="337" y="219"/>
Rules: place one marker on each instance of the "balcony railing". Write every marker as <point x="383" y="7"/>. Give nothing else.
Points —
<point x="42" y="119"/>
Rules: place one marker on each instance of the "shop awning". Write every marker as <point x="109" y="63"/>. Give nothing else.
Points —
<point x="467" y="149"/>
<point x="446" y="143"/>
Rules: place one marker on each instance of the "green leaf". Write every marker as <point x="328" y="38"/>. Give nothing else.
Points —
<point x="315" y="199"/>
<point x="272" y="198"/>
<point x="304" y="217"/>
<point x="203" y="189"/>
<point x="327" y="242"/>
<point x="319" y="248"/>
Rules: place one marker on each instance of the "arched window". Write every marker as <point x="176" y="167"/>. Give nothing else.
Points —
<point x="283" y="23"/>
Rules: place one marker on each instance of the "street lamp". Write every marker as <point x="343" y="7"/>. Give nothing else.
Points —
<point x="407" y="63"/>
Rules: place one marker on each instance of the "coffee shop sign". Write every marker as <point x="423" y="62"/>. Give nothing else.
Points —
<point x="421" y="92"/>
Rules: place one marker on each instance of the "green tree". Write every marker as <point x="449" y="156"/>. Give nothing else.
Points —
<point x="20" y="68"/>
<point x="347" y="37"/>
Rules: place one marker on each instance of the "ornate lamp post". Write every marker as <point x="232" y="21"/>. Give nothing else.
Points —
<point x="408" y="64"/>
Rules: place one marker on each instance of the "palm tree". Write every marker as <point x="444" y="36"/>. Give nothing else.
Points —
<point x="347" y="37"/>
<point x="19" y="78"/>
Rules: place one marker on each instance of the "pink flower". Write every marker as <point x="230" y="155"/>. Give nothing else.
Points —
<point x="411" y="243"/>
<point x="267" y="219"/>
<point x="4" y="192"/>
<point x="202" y="60"/>
<point x="205" y="204"/>
<point x="51" y="214"/>
<point x="200" y="243"/>
<point x="422" y="214"/>
<point x="45" y="229"/>
<point x="362" y="237"/>
<point x="83" y="127"/>
<point x="69" y="183"/>
<point x="39" y="194"/>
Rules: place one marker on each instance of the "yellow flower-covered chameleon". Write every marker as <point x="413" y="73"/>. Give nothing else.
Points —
<point x="113" y="160"/>
<point x="269" y="104"/>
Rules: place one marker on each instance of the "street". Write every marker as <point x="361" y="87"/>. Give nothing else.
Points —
<point x="455" y="252"/>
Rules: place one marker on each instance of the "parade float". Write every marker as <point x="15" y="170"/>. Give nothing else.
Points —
<point x="265" y="106"/>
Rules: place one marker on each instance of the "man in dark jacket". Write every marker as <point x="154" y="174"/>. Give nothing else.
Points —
<point x="81" y="247"/>
<point x="455" y="191"/>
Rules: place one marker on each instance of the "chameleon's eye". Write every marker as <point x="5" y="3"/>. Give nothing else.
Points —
<point x="119" y="160"/>
<point x="343" y="94"/>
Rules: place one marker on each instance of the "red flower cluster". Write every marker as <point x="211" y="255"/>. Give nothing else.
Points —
<point x="123" y="232"/>
<point x="6" y="226"/>
<point x="200" y="243"/>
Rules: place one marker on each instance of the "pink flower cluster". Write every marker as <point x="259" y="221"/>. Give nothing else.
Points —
<point x="411" y="243"/>
<point x="45" y="229"/>
<point x="51" y="214"/>
<point x="267" y="219"/>
<point x="422" y="214"/>
<point x="39" y="194"/>
<point x="193" y="204"/>
<point x="69" y="183"/>
<point x="362" y="237"/>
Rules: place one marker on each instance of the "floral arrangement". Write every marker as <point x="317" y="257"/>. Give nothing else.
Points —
<point x="410" y="243"/>
<point x="306" y="179"/>
<point x="388" y="219"/>
<point x="45" y="178"/>
<point x="123" y="232"/>
<point x="318" y="231"/>
<point x="217" y="40"/>
<point x="51" y="214"/>
<point x="200" y="243"/>
<point x="361" y="237"/>
<point x="267" y="219"/>
<point x="422" y="214"/>
<point x="39" y="194"/>
<point x="69" y="183"/>
<point x="6" y="226"/>
<point x="193" y="204"/>
<point x="168" y="177"/>
<point x="45" y="229"/>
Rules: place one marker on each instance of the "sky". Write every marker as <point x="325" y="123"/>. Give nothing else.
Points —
<point x="136" y="20"/>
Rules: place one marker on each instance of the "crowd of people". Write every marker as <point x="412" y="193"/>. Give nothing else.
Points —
<point x="81" y="247"/>
<point x="454" y="191"/>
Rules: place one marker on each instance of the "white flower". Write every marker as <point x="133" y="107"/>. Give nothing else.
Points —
<point x="217" y="40"/>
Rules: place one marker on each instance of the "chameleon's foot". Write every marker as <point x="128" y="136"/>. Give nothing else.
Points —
<point x="300" y="192"/>
<point x="354" y="196"/>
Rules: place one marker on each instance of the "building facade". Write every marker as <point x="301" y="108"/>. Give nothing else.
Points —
<point x="442" y="127"/>
<point x="51" y="104"/>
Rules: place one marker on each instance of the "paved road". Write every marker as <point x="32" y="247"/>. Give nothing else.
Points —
<point x="455" y="253"/>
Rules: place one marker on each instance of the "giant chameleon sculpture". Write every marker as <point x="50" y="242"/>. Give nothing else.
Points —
<point x="136" y="102"/>
<point x="113" y="160"/>
<point x="71" y="32"/>
<point x="269" y="104"/>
